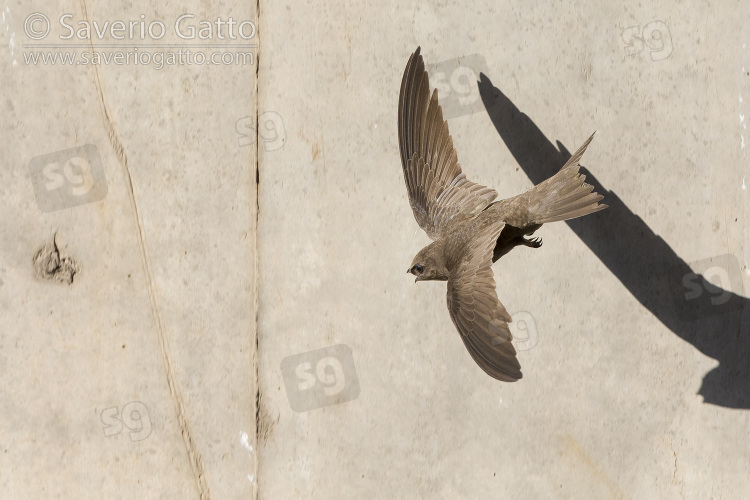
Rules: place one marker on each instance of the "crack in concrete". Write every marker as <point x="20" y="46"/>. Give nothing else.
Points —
<point x="674" y="473"/>
<point x="194" y="457"/>
<point x="258" y="414"/>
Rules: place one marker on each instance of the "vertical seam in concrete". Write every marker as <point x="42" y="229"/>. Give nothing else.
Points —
<point x="193" y="455"/>
<point x="256" y="353"/>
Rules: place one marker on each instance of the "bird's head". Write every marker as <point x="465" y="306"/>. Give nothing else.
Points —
<point x="428" y="265"/>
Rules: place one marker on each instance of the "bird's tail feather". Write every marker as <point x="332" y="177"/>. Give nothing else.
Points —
<point x="565" y="195"/>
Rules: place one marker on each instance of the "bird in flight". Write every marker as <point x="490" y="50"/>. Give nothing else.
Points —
<point x="470" y="231"/>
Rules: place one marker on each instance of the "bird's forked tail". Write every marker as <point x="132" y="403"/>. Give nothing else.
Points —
<point x="565" y="195"/>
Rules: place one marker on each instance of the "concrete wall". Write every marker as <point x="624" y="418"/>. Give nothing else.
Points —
<point x="631" y="324"/>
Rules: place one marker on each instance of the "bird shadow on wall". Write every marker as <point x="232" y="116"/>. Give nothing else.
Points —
<point x="683" y="299"/>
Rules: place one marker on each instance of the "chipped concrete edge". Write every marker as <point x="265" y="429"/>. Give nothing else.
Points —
<point x="50" y="264"/>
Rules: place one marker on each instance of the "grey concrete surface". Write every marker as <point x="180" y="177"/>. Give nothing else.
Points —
<point x="138" y="379"/>
<point x="630" y="389"/>
<point x="142" y="378"/>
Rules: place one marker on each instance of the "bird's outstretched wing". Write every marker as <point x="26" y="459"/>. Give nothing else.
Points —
<point x="476" y="311"/>
<point x="439" y="193"/>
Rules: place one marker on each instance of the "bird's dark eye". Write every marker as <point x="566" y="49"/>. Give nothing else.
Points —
<point x="418" y="268"/>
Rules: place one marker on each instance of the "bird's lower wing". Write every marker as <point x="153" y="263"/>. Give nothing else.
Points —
<point x="477" y="313"/>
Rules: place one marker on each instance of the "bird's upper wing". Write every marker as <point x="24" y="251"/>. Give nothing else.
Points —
<point x="439" y="193"/>
<point x="476" y="311"/>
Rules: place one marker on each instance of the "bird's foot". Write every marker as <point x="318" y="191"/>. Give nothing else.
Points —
<point x="532" y="242"/>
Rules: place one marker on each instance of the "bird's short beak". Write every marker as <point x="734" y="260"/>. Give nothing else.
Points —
<point x="408" y="271"/>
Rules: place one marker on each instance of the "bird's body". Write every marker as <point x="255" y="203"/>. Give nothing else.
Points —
<point x="470" y="230"/>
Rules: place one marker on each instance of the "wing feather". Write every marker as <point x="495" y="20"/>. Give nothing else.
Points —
<point x="477" y="313"/>
<point x="439" y="193"/>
